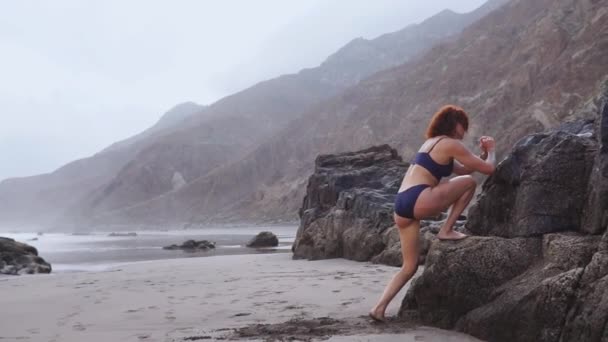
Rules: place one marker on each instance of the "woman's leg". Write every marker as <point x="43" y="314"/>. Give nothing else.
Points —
<point x="457" y="193"/>
<point x="447" y="232"/>
<point x="408" y="235"/>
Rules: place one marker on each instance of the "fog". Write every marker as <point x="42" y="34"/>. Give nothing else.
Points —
<point x="80" y="75"/>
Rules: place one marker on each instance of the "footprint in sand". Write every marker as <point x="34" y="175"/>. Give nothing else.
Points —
<point x="356" y="300"/>
<point x="64" y="320"/>
<point x="169" y="315"/>
<point x="79" y="327"/>
<point x="293" y="307"/>
<point x="241" y="314"/>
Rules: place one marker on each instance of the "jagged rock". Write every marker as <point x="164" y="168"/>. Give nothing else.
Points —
<point x="192" y="245"/>
<point x="264" y="239"/>
<point x="539" y="188"/>
<point x="460" y="276"/>
<point x="349" y="205"/>
<point x="20" y="258"/>
<point x="595" y="217"/>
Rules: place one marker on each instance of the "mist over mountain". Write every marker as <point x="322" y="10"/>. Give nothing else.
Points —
<point x="516" y="68"/>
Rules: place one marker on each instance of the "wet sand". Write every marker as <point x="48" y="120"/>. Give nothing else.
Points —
<point x="249" y="297"/>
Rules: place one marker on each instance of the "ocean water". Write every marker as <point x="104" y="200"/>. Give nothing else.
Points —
<point x="98" y="251"/>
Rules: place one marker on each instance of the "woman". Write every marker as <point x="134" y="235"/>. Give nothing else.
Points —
<point x="421" y="195"/>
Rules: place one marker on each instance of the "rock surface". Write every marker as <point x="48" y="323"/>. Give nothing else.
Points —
<point x="20" y="258"/>
<point x="540" y="272"/>
<point x="264" y="239"/>
<point x="348" y="205"/>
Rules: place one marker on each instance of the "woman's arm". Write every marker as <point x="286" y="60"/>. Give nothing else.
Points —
<point x="472" y="162"/>
<point x="460" y="169"/>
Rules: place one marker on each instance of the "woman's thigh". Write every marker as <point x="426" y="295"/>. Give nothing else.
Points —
<point x="408" y="237"/>
<point x="437" y="199"/>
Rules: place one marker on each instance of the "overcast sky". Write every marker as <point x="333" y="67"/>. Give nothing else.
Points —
<point x="76" y="76"/>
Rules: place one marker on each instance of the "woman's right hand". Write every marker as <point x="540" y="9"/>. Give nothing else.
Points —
<point x="487" y="143"/>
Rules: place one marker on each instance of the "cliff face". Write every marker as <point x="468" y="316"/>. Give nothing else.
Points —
<point x="539" y="272"/>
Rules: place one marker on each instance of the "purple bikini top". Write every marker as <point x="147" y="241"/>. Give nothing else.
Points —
<point x="438" y="170"/>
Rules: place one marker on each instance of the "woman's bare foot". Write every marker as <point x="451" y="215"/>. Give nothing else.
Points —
<point x="377" y="315"/>
<point x="452" y="235"/>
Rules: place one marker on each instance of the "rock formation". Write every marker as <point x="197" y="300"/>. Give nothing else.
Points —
<point x="20" y="258"/>
<point x="264" y="239"/>
<point x="192" y="245"/>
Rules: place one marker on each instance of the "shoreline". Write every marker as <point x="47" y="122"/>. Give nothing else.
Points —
<point x="97" y="251"/>
<point x="215" y="297"/>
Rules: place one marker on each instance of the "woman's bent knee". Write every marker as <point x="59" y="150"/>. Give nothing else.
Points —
<point x="409" y="268"/>
<point x="468" y="180"/>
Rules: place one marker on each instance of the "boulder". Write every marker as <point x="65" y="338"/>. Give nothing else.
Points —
<point x="539" y="188"/>
<point x="264" y="239"/>
<point x="20" y="258"/>
<point x="192" y="245"/>
<point x="348" y="205"/>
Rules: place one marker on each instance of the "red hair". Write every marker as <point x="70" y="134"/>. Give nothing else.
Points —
<point x="445" y="120"/>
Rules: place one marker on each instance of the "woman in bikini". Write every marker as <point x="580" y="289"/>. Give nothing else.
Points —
<point x="421" y="195"/>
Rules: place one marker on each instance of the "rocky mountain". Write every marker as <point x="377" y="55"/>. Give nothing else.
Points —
<point x="172" y="118"/>
<point x="37" y="200"/>
<point x="167" y="161"/>
<point x="522" y="68"/>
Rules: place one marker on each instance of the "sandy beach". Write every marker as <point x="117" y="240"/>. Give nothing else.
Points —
<point x="249" y="297"/>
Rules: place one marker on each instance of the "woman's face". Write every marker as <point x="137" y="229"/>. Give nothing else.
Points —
<point x="459" y="132"/>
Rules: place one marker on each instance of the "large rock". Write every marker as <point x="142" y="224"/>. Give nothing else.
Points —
<point x="459" y="277"/>
<point x="540" y="188"/>
<point x="595" y="217"/>
<point x="193" y="245"/>
<point x="541" y="272"/>
<point x="20" y="258"/>
<point x="264" y="239"/>
<point x="349" y="204"/>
